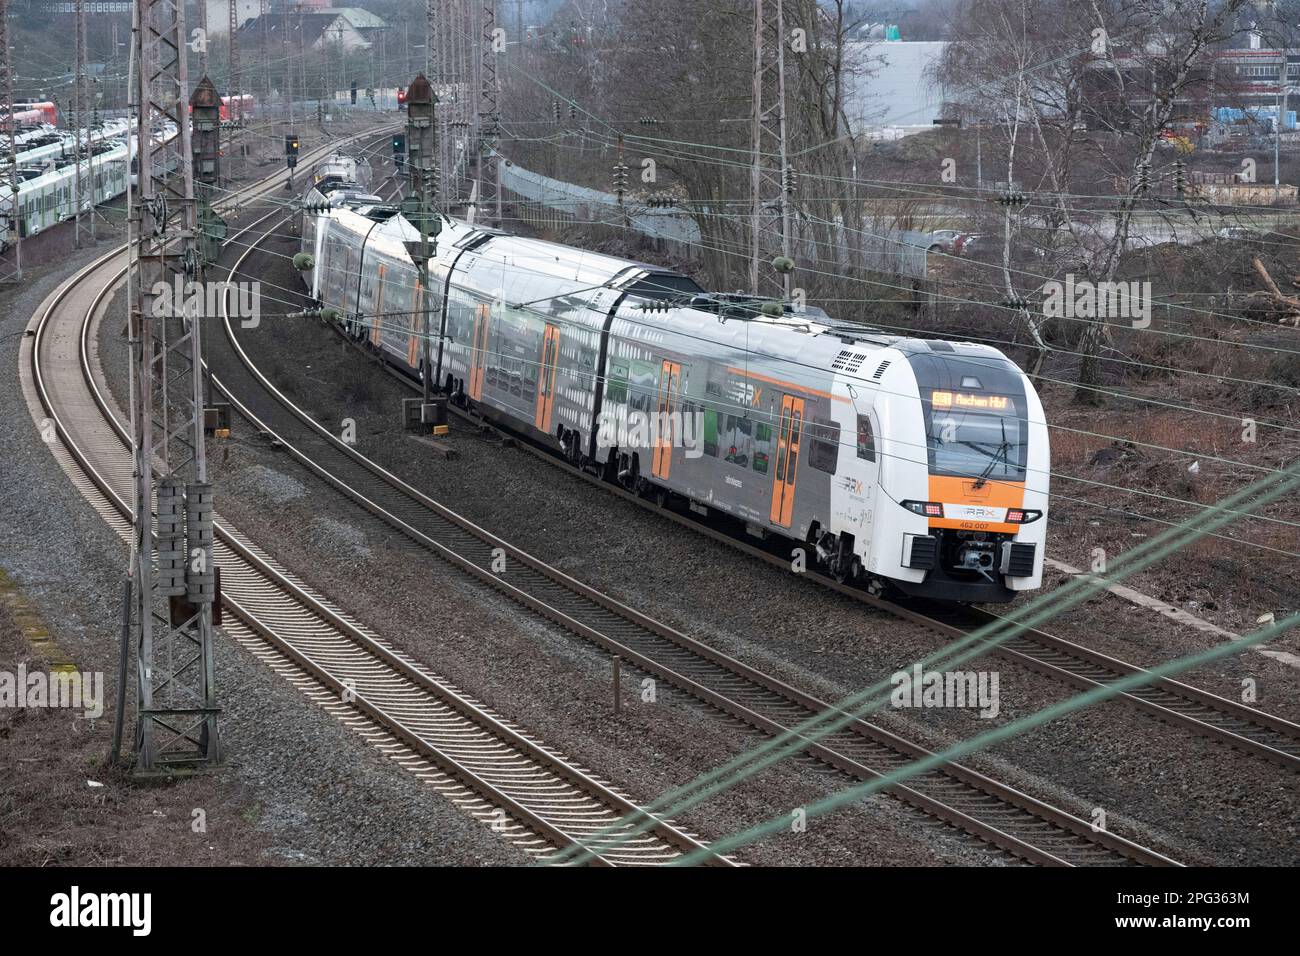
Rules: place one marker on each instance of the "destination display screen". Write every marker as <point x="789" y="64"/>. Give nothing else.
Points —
<point x="944" y="399"/>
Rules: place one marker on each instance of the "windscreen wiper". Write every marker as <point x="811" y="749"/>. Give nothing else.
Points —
<point x="998" y="457"/>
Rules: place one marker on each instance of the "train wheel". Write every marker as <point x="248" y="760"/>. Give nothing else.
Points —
<point x="629" y="475"/>
<point x="845" y="570"/>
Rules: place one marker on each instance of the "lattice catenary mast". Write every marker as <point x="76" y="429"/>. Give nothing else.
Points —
<point x="771" y="179"/>
<point x="80" y="135"/>
<point x="7" y="89"/>
<point x="172" y="602"/>
<point x="489" y="174"/>
<point x="232" y="80"/>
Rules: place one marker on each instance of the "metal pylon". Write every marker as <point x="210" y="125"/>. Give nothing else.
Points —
<point x="771" y="180"/>
<point x="80" y="135"/>
<point x="7" y="90"/>
<point x="177" y="712"/>
<point x="489" y="117"/>
<point x="233" y="87"/>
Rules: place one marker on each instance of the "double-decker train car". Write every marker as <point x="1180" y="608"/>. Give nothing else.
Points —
<point x="44" y="144"/>
<point x="47" y="189"/>
<point x="47" y="193"/>
<point x="920" y="464"/>
<point x="30" y="114"/>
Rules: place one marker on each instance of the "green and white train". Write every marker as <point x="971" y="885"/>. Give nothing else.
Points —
<point x="47" y="193"/>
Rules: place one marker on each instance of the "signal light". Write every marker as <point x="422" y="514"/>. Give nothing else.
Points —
<point x="929" y="509"/>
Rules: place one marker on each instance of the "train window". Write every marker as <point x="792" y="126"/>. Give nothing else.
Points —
<point x="738" y="440"/>
<point x="616" y="390"/>
<point x="711" y="432"/>
<point x="825" y="445"/>
<point x="866" y="439"/>
<point x="762" y="447"/>
<point x="970" y="444"/>
<point x="643" y="386"/>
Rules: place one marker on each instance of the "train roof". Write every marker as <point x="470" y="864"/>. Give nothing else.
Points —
<point x="525" y="269"/>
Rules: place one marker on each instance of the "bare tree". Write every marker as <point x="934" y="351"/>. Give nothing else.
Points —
<point x="1160" y="68"/>
<point x="1095" y="87"/>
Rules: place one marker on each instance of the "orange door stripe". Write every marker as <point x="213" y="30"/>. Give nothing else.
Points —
<point x="546" y="380"/>
<point x="787" y="460"/>
<point x="379" y="310"/>
<point x="417" y="325"/>
<point x="670" y="375"/>
<point x="478" y="349"/>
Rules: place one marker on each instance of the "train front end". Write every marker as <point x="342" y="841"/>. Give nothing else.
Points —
<point x="963" y="473"/>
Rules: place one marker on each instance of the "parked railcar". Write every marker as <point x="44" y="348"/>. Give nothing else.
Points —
<point x="918" y="463"/>
<point x="47" y="194"/>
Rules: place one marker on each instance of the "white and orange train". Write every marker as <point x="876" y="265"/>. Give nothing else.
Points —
<point x="911" y="463"/>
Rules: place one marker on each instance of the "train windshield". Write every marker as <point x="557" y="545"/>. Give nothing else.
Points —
<point x="976" y="445"/>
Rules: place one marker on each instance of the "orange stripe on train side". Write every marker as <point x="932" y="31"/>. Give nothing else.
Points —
<point x="787" y="386"/>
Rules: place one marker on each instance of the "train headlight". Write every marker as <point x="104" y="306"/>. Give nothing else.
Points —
<point x="1022" y="515"/>
<point x="928" y="509"/>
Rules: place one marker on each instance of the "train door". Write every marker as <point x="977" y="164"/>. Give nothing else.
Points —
<point x="413" y="350"/>
<point x="670" y="385"/>
<point x="478" y="351"/>
<point x="546" y="380"/>
<point x="353" y="318"/>
<point x="376" y="330"/>
<point x="787" y="460"/>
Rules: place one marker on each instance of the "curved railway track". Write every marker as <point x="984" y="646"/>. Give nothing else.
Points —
<point x="1014" y="821"/>
<point x="530" y="794"/>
